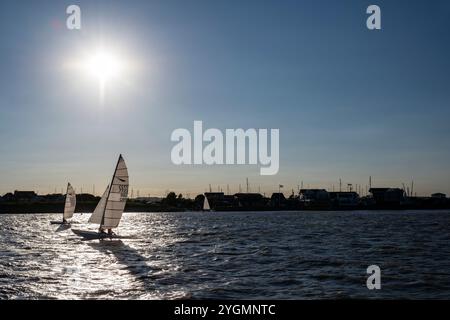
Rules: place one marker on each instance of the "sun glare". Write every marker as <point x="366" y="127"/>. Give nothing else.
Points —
<point x="103" y="65"/>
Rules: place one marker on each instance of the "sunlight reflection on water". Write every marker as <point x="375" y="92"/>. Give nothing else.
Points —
<point x="282" y="255"/>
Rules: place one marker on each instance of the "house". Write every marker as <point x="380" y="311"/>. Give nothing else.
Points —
<point x="387" y="196"/>
<point x="214" y="195"/>
<point x="250" y="200"/>
<point x="344" y="199"/>
<point x="9" y="197"/>
<point x="314" y="194"/>
<point x="439" y="195"/>
<point x="438" y="200"/>
<point x="215" y="199"/>
<point x="25" y="196"/>
<point x="315" y="198"/>
<point x="277" y="199"/>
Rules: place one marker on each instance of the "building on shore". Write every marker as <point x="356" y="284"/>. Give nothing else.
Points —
<point x="344" y="200"/>
<point x="439" y="195"/>
<point x="217" y="200"/>
<point x="253" y="201"/>
<point x="25" y="196"/>
<point x="388" y="196"/>
<point x="278" y="200"/>
<point x="315" y="199"/>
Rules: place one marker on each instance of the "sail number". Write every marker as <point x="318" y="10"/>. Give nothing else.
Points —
<point x="123" y="192"/>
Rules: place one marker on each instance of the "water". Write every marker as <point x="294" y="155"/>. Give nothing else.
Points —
<point x="267" y="255"/>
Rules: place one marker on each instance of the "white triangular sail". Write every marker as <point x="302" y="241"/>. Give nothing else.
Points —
<point x="110" y="208"/>
<point x="118" y="195"/>
<point x="71" y="201"/>
<point x="97" y="215"/>
<point x="206" y="204"/>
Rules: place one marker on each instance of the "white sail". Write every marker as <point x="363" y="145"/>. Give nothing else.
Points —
<point x="118" y="195"/>
<point x="206" y="204"/>
<point x="97" y="215"/>
<point x="71" y="200"/>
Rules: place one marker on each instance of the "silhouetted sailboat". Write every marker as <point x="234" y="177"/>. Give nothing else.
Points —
<point x="206" y="206"/>
<point x="69" y="206"/>
<point x="110" y="207"/>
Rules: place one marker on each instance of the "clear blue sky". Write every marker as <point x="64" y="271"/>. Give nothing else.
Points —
<point x="349" y="102"/>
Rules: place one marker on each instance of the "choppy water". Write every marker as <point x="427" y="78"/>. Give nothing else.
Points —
<point x="277" y="255"/>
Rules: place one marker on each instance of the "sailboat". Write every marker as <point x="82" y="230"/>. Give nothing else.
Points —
<point x="69" y="206"/>
<point x="109" y="209"/>
<point x="206" y="206"/>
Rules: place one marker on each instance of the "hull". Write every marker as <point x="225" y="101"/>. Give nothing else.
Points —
<point x="59" y="222"/>
<point x="68" y="223"/>
<point x="94" y="235"/>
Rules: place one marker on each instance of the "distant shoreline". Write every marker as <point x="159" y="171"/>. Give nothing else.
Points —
<point x="308" y="200"/>
<point x="81" y="208"/>
<point x="148" y="208"/>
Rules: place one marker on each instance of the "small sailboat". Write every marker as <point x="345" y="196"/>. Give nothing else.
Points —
<point x="110" y="207"/>
<point x="69" y="206"/>
<point x="206" y="206"/>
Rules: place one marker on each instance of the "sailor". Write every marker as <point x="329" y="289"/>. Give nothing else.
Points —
<point x="101" y="230"/>
<point x="110" y="232"/>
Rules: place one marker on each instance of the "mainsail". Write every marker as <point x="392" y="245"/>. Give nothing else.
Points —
<point x="206" y="204"/>
<point x="71" y="200"/>
<point x="110" y="208"/>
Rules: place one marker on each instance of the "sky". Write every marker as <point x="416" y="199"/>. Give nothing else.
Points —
<point x="349" y="102"/>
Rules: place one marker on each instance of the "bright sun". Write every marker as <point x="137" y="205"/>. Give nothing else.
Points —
<point x="103" y="65"/>
<point x="106" y="67"/>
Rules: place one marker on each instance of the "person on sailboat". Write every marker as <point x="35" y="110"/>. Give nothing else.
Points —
<point x="102" y="231"/>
